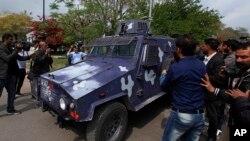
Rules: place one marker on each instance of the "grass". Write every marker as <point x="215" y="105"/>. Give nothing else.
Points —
<point x="59" y="62"/>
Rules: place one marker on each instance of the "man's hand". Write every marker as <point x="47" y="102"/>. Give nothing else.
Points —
<point x="207" y="84"/>
<point x="235" y="93"/>
<point x="18" y="46"/>
<point x="164" y="72"/>
<point x="48" y="52"/>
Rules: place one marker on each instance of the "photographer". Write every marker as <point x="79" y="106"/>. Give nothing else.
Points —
<point x="75" y="55"/>
<point x="41" y="63"/>
<point x="8" y="71"/>
<point x="238" y="89"/>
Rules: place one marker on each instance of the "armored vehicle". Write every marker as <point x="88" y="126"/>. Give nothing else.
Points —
<point x="120" y="73"/>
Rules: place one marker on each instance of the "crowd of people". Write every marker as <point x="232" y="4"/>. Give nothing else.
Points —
<point x="13" y="58"/>
<point x="13" y="66"/>
<point x="202" y="81"/>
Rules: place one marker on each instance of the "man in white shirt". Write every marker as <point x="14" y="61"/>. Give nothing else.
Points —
<point x="21" y="71"/>
<point x="76" y="55"/>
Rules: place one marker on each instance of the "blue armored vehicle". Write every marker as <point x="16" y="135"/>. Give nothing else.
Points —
<point x="120" y="73"/>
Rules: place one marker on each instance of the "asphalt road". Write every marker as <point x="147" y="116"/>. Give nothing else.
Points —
<point x="35" y="125"/>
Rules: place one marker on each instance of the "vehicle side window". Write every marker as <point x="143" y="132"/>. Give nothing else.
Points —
<point x="150" y="55"/>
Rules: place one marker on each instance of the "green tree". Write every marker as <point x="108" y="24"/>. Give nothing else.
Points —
<point x="242" y="32"/>
<point x="185" y="16"/>
<point x="17" y="23"/>
<point x="97" y="17"/>
<point x="230" y="33"/>
<point x="227" y="33"/>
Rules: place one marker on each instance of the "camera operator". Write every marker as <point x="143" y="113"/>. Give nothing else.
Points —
<point x="238" y="90"/>
<point x="8" y="71"/>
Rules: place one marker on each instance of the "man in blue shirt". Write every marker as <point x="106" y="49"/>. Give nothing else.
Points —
<point x="75" y="55"/>
<point x="186" y="119"/>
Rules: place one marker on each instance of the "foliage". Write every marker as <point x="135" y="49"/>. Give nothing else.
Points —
<point x="97" y="17"/>
<point x="17" y="23"/>
<point x="52" y="30"/>
<point x="185" y="16"/>
<point x="230" y="33"/>
<point x="59" y="62"/>
<point x="242" y="32"/>
<point x="227" y="33"/>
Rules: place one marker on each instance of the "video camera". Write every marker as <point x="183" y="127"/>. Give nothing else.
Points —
<point x="22" y="45"/>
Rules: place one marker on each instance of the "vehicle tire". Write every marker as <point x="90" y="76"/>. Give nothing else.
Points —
<point x="109" y="123"/>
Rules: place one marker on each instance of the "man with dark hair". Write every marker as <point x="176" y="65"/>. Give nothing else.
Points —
<point x="198" y="51"/>
<point x="7" y="55"/>
<point x="213" y="61"/>
<point x="229" y="48"/>
<point x="186" y="119"/>
<point x="238" y="90"/>
<point x="75" y="55"/>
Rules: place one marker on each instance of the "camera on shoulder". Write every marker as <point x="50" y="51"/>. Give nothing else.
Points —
<point x="23" y="45"/>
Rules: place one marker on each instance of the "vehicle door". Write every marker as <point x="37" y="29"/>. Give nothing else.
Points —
<point x="149" y="70"/>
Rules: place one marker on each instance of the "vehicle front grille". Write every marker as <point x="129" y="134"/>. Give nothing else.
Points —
<point x="51" y="98"/>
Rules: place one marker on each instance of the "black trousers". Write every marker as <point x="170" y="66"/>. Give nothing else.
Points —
<point x="20" y="79"/>
<point x="10" y="87"/>
<point x="213" y="112"/>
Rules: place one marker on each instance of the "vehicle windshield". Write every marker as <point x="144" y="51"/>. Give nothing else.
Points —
<point x="115" y="50"/>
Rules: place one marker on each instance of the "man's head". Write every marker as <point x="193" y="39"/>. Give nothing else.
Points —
<point x="230" y="45"/>
<point x="75" y="48"/>
<point x="242" y="56"/>
<point x="197" y="47"/>
<point x="7" y="39"/>
<point x="185" y="45"/>
<point x="211" y="45"/>
<point x="43" y="46"/>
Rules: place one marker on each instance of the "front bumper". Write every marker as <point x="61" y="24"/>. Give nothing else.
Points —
<point x="50" y="96"/>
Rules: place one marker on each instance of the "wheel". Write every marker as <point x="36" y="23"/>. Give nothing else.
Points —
<point x="109" y="123"/>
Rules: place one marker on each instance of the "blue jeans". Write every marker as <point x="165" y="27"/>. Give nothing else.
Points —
<point x="183" y="126"/>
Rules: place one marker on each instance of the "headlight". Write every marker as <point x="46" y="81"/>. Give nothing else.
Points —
<point x="62" y="104"/>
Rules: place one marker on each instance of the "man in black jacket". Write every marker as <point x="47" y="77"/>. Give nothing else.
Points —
<point x="7" y="55"/>
<point x="41" y="63"/>
<point x="213" y="61"/>
<point x="238" y="90"/>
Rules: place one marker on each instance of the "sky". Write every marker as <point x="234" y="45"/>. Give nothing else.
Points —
<point x="235" y="13"/>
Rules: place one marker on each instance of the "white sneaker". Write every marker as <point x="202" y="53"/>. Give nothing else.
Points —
<point x="218" y="132"/>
